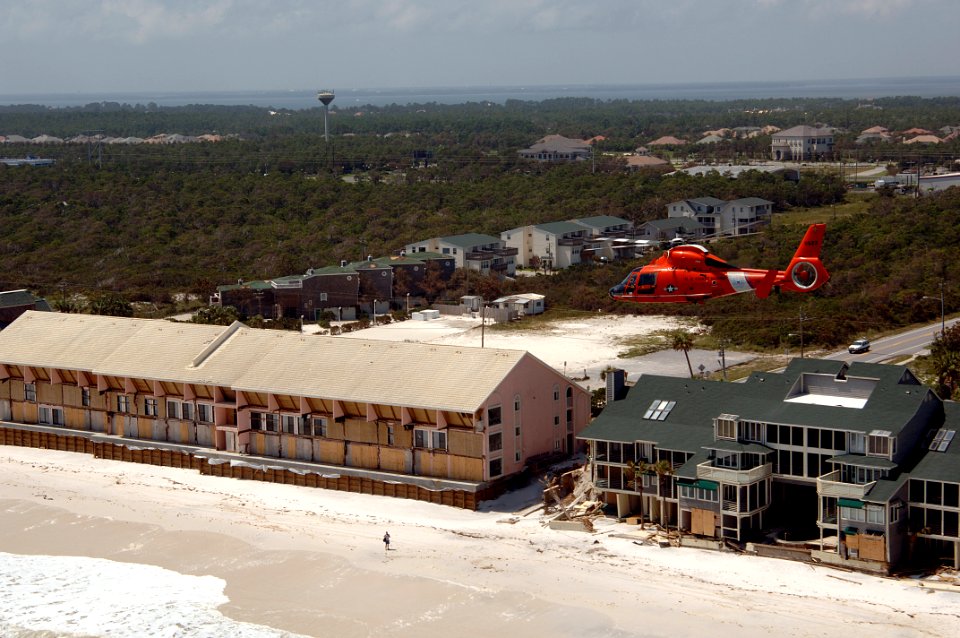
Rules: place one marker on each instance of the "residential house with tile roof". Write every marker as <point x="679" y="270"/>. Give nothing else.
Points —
<point x="856" y="459"/>
<point x="557" y="148"/>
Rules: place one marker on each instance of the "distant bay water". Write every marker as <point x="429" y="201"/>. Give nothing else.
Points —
<point x="345" y="97"/>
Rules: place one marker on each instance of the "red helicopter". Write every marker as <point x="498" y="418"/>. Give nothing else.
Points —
<point x="690" y="274"/>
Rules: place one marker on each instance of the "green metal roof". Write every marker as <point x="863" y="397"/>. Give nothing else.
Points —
<point x="329" y="270"/>
<point x="602" y="221"/>
<point x="859" y="460"/>
<point x="560" y="228"/>
<point x="469" y="240"/>
<point x="724" y="445"/>
<point x="894" y="400"/>
<point x="253" y="285"/>
<point x="942" y="466"/>
<point x="885" y="489"/>
<point x="14" y="298"/>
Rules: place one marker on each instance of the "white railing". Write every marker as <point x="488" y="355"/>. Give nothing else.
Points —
<point x="707" y="470"/>
<point x="830" y="485"/>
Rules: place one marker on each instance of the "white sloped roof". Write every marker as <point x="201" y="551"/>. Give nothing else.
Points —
<point x="395" y="373"/>
<point x="148" y="348"/>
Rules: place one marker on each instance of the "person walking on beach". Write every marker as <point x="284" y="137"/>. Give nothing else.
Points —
<point x="386" y="542"/>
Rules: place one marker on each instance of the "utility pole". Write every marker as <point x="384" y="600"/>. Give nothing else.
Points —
<point x="943" y="324"/>
<point x="483" y="322"/>
<point x="723" y="359"/>
<point x="802" y="319"/>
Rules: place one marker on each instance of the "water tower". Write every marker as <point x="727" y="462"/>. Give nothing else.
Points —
<point x="325" y="96"/>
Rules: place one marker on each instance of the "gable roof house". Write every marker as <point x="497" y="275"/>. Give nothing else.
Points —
<point x="659" y="230"/>
<point x="550" y="245"/>
<point x="719" y="217"/>
<point x="557" y="148"/>
<point x="608" y="237"/>
<point x="466" y="419"/>
<point x="801" y="143"/>
<point x="860" y="452"/>
<point x="333" y="289"/>
<point x="924" y="139"/>
<point x="667" y="140"/>
<point x="641" y="161"/>
<point x="476" y="251"/>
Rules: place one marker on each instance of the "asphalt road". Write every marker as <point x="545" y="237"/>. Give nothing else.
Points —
<point x="904" y="344"/>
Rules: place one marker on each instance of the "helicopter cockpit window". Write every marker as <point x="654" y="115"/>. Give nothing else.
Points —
<point x="647" y="283"/>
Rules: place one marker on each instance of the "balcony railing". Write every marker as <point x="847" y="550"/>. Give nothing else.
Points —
<point x="707" y="470"/>
<point x="831" y="485"/>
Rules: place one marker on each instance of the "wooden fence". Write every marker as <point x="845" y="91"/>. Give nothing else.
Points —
<point x="140" y="452"/>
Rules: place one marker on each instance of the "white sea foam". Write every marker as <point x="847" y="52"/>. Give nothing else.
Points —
<point x="89" y="597"/>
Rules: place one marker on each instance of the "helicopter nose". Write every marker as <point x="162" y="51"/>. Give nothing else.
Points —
<point x="617" y="291"/>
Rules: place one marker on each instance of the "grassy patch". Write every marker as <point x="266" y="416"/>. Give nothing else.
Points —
<point x="764" y="363"/>
<point x="640" y="345"/>
<point x="855" y="204"/>
<point x="535" y="323"/>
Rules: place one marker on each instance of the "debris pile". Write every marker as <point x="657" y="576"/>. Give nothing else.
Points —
<point x="570" y="501"/>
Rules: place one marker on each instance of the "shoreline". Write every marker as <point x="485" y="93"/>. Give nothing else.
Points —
<point x="311" y="562"/>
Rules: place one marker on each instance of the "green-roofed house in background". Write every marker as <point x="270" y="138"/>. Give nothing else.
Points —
<point x="343" y="291"/>
<point x="334" y="289"/>
<point x="14" y="303"/>
<point x="856" y="460"/>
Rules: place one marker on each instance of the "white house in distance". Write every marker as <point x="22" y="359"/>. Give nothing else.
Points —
<point x="563" y="244"/>
<point x="719" y="217"/>
<point x="550" y="245"/>
<point x="801" y="143"/>
<point x="484" y="253"/>
<point x="557" y="148"/>
<point x="529" y="303"/>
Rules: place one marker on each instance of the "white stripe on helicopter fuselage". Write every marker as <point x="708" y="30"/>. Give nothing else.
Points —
<point x="739" y="282"/>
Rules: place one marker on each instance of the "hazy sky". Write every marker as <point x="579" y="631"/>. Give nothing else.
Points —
<point x="55" y="46"/>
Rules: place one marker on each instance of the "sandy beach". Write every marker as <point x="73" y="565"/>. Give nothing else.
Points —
<point x="311" y="562"/>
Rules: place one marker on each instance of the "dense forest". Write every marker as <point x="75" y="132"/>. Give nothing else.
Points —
<point x="150" y="221"/>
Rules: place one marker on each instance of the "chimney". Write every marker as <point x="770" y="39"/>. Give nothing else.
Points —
<point x="615" y="385"/>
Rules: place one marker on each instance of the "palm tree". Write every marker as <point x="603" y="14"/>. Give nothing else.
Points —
<point x="681" y="340"/>
<point x="636" y="470"/>
<point x="662" y="468"/>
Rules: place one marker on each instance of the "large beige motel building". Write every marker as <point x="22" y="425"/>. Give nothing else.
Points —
<point x="406" y="409"/>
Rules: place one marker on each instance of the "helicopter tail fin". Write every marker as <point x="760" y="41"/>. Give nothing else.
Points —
<point x="806" y="273"/>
